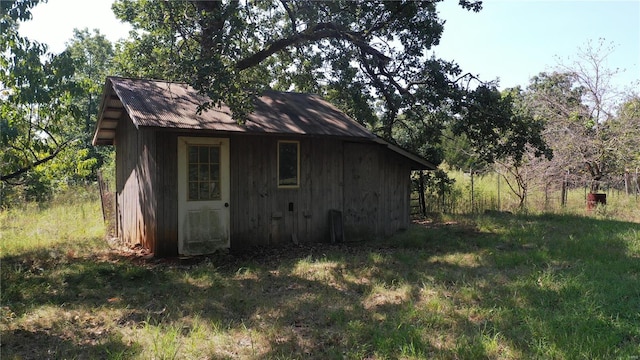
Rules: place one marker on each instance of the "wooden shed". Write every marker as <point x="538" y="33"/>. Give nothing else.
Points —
<point x="190" y="182"/>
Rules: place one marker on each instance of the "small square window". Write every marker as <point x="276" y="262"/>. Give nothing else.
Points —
<point x="288" y="164"/>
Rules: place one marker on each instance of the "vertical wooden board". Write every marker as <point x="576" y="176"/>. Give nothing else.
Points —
<point x="390" y="216"/>
<point x="304" y="231"/>
<point x="234" y="148"/>
<point x="146" y="170"/>
<point x="303" y="194"/>
<point x="261" y="191"/>
<point x="403" y="195"/>
<point x="241" y="161"/>
<point x="167" y="204"/>
<point x="251" y="162"/>
<point x="395" y="174"/>
<point x="120" y="179"/>
<point x="326" y="185"/>
<point x="387" y="215"/>
<point x="281" y="218"/>
<point x="266" y="184"/>
<point x="127" y="182"/>
<point x="361" y="191"/>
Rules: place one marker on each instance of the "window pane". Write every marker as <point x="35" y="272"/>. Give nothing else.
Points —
<point x="204" y="172"/>
<point x="204" y="191"/>
<point x="215" y="172"/>
<point x="288" y="171"/>
<point x="193" y="172"/>
<point x="214" y="190"/>
<point x="193" y="154"/>
<point x="204" y="154"/>
<point x="215" y="154"/>
<point x="193" y="191"/>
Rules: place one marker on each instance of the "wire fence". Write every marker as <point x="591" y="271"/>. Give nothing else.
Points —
<point x="108" y="200"/>
<point x="490" y="192"/>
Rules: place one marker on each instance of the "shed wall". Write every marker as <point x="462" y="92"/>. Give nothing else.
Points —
<point x="129" y="216"/>
<point x="362" y="202"/>
<point x="167" y="201"/>
<point x="262" y="213"/>
<point x="395" y="196"/>
<point x="136" y="175"/>
<point x="367" y="182"/>
<point x="376" y="191"/>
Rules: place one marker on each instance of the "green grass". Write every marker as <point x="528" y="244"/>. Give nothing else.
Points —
<point x="496" y="287"/>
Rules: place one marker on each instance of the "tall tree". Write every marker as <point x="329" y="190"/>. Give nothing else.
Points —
<point x="625" y="129"/>
<point x="371" y="58"/>
<point x="577" y="104"/>
<point x="36" y="103"/>
<point x="92" y="54"/>
<point x="591" y="74"/>
<point x="501" y="131"/>
<point x="48" y="106"/>
<point x="555" y="100"/>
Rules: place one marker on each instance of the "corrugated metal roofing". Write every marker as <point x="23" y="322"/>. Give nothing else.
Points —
<point x="154" y="103"/>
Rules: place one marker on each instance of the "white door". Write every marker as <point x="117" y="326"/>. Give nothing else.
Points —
<point x="203" y="195"/>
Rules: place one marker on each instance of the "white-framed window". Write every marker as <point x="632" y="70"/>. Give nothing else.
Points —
<point x="288" y="164"/>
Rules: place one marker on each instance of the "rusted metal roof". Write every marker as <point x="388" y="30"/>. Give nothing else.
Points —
<point x="152" y="103"/>
<point x="162" y="104"/>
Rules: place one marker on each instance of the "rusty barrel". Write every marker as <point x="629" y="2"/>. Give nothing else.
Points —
<point x="593" y="200"/>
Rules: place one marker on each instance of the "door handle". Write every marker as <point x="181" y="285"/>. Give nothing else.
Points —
<point x="226" y="204"/>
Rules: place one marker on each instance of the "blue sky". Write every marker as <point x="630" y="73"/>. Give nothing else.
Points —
<point x="515" y="40"/>
<point x="512" y="40"/>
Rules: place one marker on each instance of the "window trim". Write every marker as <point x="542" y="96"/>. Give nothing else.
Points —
<point x="297" y="184"/>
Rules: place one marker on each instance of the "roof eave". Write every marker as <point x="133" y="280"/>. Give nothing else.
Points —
<point x="109" y="116"/>
<point x="418" y="162"/>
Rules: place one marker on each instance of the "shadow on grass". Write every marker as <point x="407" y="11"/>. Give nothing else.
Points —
<point x="488" y="287"/>
<point x="568" y="286"/>
<point x="40" y="344"/>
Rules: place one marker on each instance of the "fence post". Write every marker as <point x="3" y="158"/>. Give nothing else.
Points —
<point x="563" y="192"/>
<point x="101" y="186"/>
<point x="636" y="189"/>
<point x="626" y="181"/>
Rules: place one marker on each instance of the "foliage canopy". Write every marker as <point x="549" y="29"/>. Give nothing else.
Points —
<point x="48" y="105"/>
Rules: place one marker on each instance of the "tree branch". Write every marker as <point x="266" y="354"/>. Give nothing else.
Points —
<point x="318" y="32"/>
<point x="23" y="170"/>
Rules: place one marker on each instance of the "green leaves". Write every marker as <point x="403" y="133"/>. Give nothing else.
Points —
<point x="368" y="57"/>
<point x="48" y="105"/>
<point x="497" y="128"/>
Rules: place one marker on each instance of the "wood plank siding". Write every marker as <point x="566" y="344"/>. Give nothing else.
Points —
<point x="167" y="184"/>
<point x="376" y="191"/>
<point x="372" y="191"/>
<point x="129" y="213"/>
<point x="262" y="213"/>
